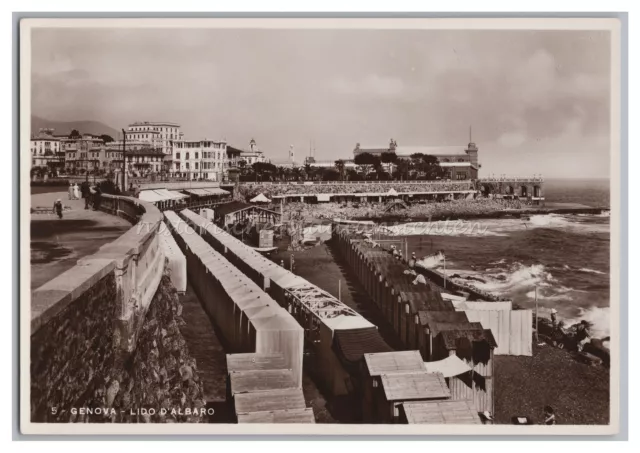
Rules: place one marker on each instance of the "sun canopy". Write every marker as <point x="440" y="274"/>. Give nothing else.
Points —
<point x="156" y="195"/>
<point x="260" y="199"/>
<point x="207" y="192"/>
<point x="393" y="192"/>
<point x="171" y="194"/>
<point x="449" y="367"/>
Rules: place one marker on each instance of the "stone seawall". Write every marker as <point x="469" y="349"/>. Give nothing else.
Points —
<point x="157" y="383"/>
<point x="105" y="338"/>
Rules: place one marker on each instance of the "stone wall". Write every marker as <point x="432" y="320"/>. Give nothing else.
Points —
<point x="82" y="377"/>
<point x="105" y="343"/>
<point x="71" y="352"/>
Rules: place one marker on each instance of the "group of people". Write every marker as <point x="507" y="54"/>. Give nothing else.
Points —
<point x="357" y="210"/>
<point x="92" y="197"/>
<point x="355" y="187"/>
<point x="74" y="191"/>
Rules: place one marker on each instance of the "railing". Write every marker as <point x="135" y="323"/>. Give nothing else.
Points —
<point x="135" y="259"/>
<point x="512" y="179"/>
<point x="352" y="183"/>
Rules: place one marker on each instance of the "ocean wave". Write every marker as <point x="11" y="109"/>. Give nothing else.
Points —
<point x="444" y="228"/>
<point x="591" y="271"/>
<point x="599" y="317"/>
<point x="551" y="297"/>
<point x="518" y="276"/>
<point x="431" y="262"/>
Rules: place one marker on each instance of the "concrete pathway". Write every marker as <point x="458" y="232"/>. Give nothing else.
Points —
<point x="57" y="244"/>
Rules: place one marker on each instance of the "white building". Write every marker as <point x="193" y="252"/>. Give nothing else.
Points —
<point x="45" y="149"/>
<point x="199" y="159"/>
<point x="159" y="135"/>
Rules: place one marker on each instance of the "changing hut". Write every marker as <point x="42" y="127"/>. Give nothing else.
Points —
<point x="228" y="295"/>
<point x="264" y="390"/>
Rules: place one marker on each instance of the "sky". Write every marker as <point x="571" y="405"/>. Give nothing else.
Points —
<point x="537" y="101"/>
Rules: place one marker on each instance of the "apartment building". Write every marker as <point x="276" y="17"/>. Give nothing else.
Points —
<point x="199" y="159"/>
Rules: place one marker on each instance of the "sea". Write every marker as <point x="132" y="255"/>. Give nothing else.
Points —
<point x="563" y="260"/>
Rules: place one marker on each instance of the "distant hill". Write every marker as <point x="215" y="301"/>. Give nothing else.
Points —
<point x="65" y="127"/>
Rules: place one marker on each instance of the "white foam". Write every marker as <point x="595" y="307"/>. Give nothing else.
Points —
<point x="599" y="317"/>
<point x="591" y="271"/>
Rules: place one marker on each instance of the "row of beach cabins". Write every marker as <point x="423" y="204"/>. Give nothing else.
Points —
<point x="267" y="315"/>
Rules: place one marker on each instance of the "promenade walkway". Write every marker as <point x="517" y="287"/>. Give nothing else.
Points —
<point x="57" y="244"/>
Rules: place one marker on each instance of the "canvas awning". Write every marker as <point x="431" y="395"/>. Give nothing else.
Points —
<point x="260" y="199"/>
<point x="392" y="192"/>
<point x="156" y="195"/>
<point x="171" y="194"/>
<point x="323" y="197"/>
<point x="151" y="196"/>
<point x="449" y="367"/>
<point x="217" y="191"/>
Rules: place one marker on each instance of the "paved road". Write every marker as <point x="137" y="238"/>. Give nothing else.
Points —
<point x="57" y="244"/>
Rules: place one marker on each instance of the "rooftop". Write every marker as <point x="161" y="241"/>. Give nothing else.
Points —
<point x="415" y="386"/>
<point x="272" y="400"/>
<point x="441" y="413"/>
<point x="151" y="123"/>
<point x="261" y="380"/>
<point x="394" y="362"/>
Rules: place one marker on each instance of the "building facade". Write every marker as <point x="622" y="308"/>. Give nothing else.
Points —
<point x="85" y="154"/>
<point x="249" y="155"/>
<point x="199" y="160"/>
<point x="459" y="162"/>
<point x="159" y="135"/>
<point x="46" y="150"/>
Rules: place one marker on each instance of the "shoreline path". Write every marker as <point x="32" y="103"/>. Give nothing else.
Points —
<point x="57" y="244"/>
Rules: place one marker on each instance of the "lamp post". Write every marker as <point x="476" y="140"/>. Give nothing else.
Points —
<point x="124" y="161"/>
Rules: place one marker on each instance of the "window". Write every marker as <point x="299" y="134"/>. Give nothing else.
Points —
<point x="187" y="165"/>
<point x="196" y="155"/>
<point x="460" y="160"/>
<point x="196" y="165"/>
<point x="461" y="175"/>
<point x="187" y="156"/>
<point x="178" y="156"/>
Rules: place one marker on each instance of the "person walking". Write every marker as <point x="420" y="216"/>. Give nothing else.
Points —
<point x="57" y="208"/>
<point x="76" y="192"/>
<point x="549" y="416"/>
<point x="97" y="198"/>
<point x="86" y="193"/>
<point x="70" y="191"/>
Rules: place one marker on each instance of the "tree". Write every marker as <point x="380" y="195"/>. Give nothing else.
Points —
<point x="264" y="169"/>
<point x="75" y="134"/>
<point x="330" y="174"/>
<point x="106" y="138"/>
<point x="366" y="162"/>
<point x="431" y="167"/>
<point x="339" y="164"/>
<point x="242" y="164"/>
<point x="402" y="169"/>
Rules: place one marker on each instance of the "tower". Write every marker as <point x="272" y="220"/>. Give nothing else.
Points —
<point x="472" y="152"/>
<point x="291" y="154"/>
<point x="252" y="145"/>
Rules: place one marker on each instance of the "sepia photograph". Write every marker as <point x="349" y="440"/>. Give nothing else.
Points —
<point x="371" y="226"/>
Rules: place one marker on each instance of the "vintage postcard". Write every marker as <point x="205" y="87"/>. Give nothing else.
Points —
<point x="320" y="226"/>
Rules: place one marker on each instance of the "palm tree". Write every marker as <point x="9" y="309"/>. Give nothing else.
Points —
<point x="339" y="164"/>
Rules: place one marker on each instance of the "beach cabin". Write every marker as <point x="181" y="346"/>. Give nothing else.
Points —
<point x="394" y="378"/>
<point x="237" y="212"/>
<point x="264" y="390"/>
